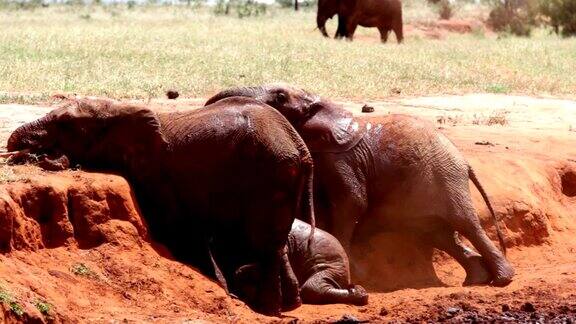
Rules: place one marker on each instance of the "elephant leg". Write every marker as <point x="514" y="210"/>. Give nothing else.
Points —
<point x="269" y="299"/>
<point x="321" y="23"/>
<point x="476" y="272"/>
<point x="398" y="29"/>
<point x="468" y="224"/>
<point x="341" y="31"/>
<point x="290" y="287"/>
<point x="351" y="28"/>
<point x="321" y="289"/>
<point x="383" y="34"/>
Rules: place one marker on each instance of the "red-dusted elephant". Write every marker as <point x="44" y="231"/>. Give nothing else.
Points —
<point x="386" y="15"/>
<point x="393" y="172"/>
<point x="233" y="175"/>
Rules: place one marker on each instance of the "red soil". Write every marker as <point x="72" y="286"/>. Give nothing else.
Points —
<point x="51" y="223"/>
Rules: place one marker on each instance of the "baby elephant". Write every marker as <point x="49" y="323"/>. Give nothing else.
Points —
<point x="321" y="268"/>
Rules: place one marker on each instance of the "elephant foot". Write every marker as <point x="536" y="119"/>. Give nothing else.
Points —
<point x="295" y="303"/>
<point x="357" y="295"/>
<point x="504" y="275"/>
<point x="476" y="272"/>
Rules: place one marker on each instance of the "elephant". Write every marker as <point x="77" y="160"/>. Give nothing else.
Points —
<point x="234" y="175"/>
<point x="388" y="173"/>
<point x="322" y="269"/>
<point x="386" y="15"/>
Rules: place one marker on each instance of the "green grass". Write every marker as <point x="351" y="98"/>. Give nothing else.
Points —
<point x="80" y="269"/>
<point x="15" y="307"/>
<point x="43" y="307"/>
<point x="139" y="53"/>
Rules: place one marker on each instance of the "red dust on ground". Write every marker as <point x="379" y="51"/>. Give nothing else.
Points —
<point x="76" y="240"/>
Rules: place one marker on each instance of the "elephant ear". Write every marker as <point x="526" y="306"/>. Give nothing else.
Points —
<point x="330" y="128"/>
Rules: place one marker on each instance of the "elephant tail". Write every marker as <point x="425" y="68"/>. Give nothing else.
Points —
<point x="307" y="200"/>
<point x="476" y="182"/>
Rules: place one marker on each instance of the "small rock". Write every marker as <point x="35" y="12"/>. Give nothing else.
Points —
<point x="507" y="318"/>
<point x="396" y="90"/>
<point x="348" y="319"/>
<point x="452" y="311"/>
<point x="505" y="308"/>
<point x="383" y="311"/>
<point x="367" y="109"/>
<point x="484" y="143"/>
<point x="528" y="307"/>
<point x="172" y="94"/>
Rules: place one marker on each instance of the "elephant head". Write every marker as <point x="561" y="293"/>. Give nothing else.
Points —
<point x="93" y="133"/>
<point x="324" y="125"/>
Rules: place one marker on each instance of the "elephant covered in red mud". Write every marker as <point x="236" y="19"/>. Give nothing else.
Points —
<point x="388" y="173"/>
<point x="321" y="267"/>
<point x="233" y="175"/>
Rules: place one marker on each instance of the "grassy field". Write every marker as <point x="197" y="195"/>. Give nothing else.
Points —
<point x="141" y="52"/>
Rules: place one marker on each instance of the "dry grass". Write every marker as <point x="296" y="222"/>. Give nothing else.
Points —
<point x="141" y="52"/>
<point x="499" y="117"/>
<point x="16" y="173"/>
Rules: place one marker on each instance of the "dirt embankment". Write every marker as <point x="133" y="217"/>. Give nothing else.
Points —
<point x="76" y="241"/>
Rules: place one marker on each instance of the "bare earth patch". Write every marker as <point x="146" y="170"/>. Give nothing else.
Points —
<point x="523" y="150"/>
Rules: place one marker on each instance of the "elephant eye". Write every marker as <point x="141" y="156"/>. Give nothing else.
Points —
<point x="281" y="97"/>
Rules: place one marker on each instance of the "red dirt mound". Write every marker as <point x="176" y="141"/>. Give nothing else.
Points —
<point x="75" y="241"/>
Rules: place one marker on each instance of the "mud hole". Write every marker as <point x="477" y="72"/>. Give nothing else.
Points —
<point x="76" y="241"/>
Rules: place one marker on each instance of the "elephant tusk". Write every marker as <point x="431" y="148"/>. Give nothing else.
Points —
<point x="9" y="154"/>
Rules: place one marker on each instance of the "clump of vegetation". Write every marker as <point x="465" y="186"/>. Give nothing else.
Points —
<point x="7" y="299"/>
<point x="497" y="88"/>
<point x="516" y="17"/>
<point x="80" y="269"/>
<point x="445" y="9"/>
<point x="561" y="15"/>
<point x="292" y="3"/>
<point x="499" y="117"/>
<point x="243" y="8"/>
<point x="43" y="307"/>
<point x="7" y="175"/>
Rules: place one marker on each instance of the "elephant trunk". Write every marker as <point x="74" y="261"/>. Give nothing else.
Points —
<point x="252" y="92"/>
<point x="26" y="136"/>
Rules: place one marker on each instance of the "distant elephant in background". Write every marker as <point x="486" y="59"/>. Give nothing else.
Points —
<point x="388" y="173"/>
<point x="322" y="269"/>
<point x="233" y="175"/>
<point x="386" y="15"/>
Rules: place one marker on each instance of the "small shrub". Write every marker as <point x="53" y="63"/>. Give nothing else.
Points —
<point x="498" y="118"/>
<point x="516" y="17"/>
<point x="561" y="14"/>
<point x="243" y="8"/>
<point x="301" y="3"/>
<point x="80" y="269"/>
<point x="43" y="307"/>
<point x="15" y="307"/>
<point x="495" y="118"/>
<point x="250" y="8"/>
<point x="445" y="10"/>
<point x="497" y="88"/>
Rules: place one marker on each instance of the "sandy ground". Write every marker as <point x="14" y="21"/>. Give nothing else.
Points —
<point x="523" y="150"/>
